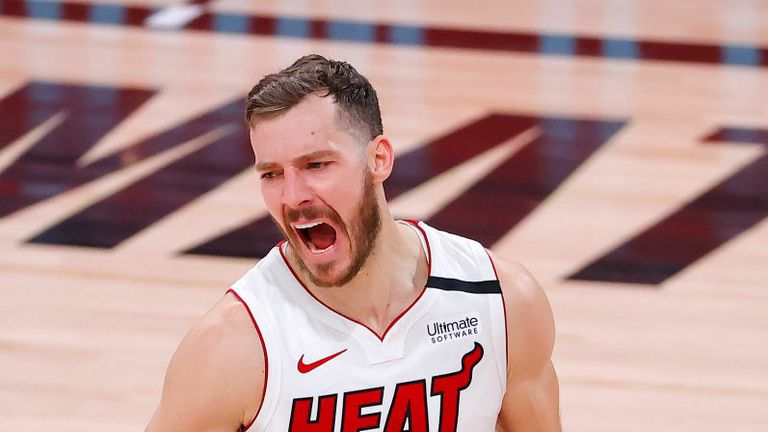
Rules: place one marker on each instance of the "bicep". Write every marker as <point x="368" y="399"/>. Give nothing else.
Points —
<point x="187" y="403"/>
<point x="212" y="381"/>
<point x="532" y="404"/>
<point x="531" y="401"/>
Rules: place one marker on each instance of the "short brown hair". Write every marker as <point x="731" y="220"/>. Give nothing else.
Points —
<point x="354" y="95"/>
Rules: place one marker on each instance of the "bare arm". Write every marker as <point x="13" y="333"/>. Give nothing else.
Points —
<point x="532" y="401"/>
<point x="215" y="380"/>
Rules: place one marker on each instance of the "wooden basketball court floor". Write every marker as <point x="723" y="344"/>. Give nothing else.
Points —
<point x="616" y="148"/>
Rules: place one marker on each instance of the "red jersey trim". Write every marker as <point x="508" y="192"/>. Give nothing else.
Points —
<point x="397" y="318"/>
<point x="266" y="359"/>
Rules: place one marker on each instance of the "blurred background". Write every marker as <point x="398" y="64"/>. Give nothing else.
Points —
<point x="618" y="149"/>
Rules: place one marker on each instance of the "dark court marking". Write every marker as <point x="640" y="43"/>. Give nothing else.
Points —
<point x="508" y="194"/>
<point x="50" y="166"/>
<point x="399" y="34"/>
<point x="697" y="228"/>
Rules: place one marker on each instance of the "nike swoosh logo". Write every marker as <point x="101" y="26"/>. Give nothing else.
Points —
<point x="309" y="367"/>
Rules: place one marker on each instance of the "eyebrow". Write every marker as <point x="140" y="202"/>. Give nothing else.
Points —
<point x="266" y="166"/>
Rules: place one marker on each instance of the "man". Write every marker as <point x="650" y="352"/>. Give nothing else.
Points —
<point x="358" y="321"/>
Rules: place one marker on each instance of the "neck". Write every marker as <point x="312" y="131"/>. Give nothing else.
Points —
<point x="391" y="279"/>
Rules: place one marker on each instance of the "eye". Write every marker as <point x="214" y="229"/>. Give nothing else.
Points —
<point x="269" y="175"/>
<point x="317" y="165"/>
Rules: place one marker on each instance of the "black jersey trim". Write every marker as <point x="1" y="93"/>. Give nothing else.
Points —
<point x="477" y="287"/>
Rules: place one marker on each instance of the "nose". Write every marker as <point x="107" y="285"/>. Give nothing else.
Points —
<point x="296" y="191"/>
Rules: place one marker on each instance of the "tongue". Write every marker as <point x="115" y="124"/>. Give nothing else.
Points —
<point x="321" y="236"/>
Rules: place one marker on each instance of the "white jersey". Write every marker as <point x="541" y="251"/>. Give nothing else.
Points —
<point x="440" y="366"/>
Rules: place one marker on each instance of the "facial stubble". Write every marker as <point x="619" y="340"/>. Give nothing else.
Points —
<point x="365" y="229"/>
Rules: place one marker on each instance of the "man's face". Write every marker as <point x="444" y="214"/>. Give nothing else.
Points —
<point x="317" y="187"/>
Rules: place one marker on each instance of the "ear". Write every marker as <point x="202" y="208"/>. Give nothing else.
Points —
<point x="381" y="158"/>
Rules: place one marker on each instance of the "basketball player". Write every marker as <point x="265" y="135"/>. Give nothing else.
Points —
<point x="358" y="321"/>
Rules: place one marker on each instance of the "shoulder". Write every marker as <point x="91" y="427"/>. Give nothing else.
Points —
<point x="456" y="256"/>
<point x="217" y="374"/>
<point x="530" y="324"/>
<point x="228" y="318"/>
<point x="226" y="325"/>
<point x="226" y="334"/>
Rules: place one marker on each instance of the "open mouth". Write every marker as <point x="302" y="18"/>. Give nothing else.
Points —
<point x="317" y="236"/>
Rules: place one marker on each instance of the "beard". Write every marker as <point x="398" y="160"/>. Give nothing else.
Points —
<point x="362" y="232"/>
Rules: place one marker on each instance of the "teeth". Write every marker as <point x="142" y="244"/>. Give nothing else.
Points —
<point x="308" y="225"/>
<point x="310" y="246"/>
